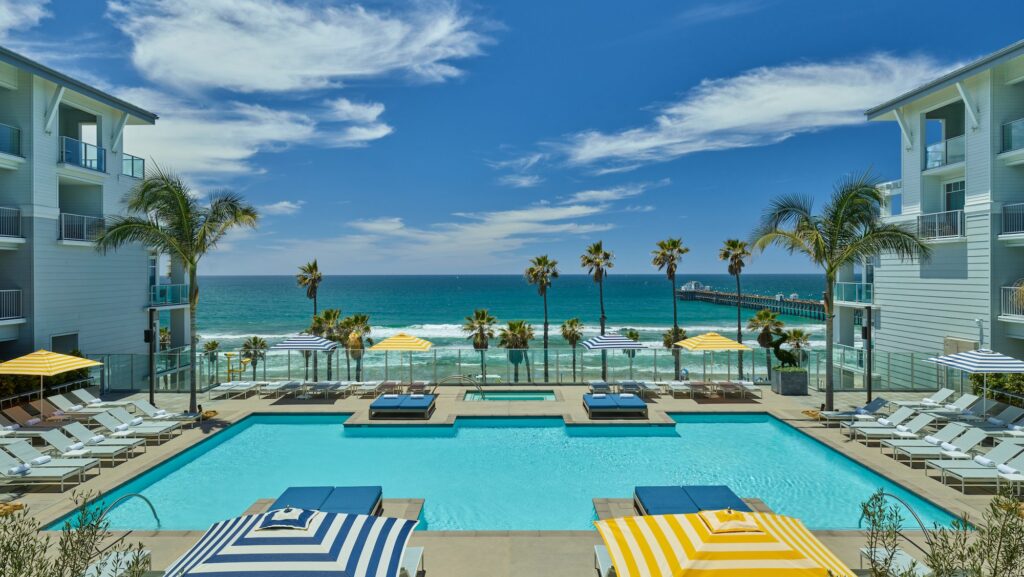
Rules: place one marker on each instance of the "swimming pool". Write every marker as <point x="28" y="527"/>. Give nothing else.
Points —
<point x="506" y="474"/>
<point x="509" y="396"/>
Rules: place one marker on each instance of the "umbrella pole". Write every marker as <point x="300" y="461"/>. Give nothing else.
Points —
<point x="385" y="365"/>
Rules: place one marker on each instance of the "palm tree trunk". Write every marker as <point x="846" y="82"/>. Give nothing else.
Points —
<point x="526" y="359"/>
<point x="348" y="364"/>
<point x="193" y="299"/>
<point x="739" y="327"/>
<point x="829" y="330"/>
<point x="546" y="337"/>
<point x="483" y="366"/>
<point x="314" y="352"/>
<point x="604" y="353"/>
<point x="675" y="326"/>
<point x="254" y="368"/>
<point x="574" y="363"/>
<point x="329" y="367"/>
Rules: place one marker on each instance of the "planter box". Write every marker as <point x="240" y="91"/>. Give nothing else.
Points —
<point x="789" y="383"/>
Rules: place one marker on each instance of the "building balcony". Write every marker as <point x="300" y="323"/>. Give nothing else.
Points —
<point x="168" y="295"/>
<point x="853" y="293"/>
<point x="941" y="226"/>
<point x="1012" y="151"/>
<point x="82" y="154"/>
<point x="1012" y="304"/>
<point x="945" y="153"/>
<point x="77" y="228"/>
<point x="10" y="228"/>
<point x="10" y="147"/>
<point x="10" y="305"/>
<point x="1012" y="231"/>
<point x="133" y="166"/>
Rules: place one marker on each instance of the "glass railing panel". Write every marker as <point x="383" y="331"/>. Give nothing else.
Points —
<point x="82" y="154"/>
<point x="854" y="292"/>
<point x="1013" y="135"/>
<point x="168" y="294"/>
<point x="133" y="166"/>
<point x="10" y="140"/>
<point x="946" y="152"/>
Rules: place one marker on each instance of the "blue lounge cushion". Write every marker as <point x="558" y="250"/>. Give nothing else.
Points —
<point x="352" y="500"/>
<point x="668" y="500"/>
<point x="386" y="403"/>
<point x="715" y="497"/>
<point x="410" y="402"/>
<point x="629" y="402"/>
<point x="605" y="402"/>
<point x="302" y="498"/>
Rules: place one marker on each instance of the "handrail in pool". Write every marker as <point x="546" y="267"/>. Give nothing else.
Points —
<point x="927" y="534"/>
<point x="463" y="380"/>
<point x="125" y="498"/>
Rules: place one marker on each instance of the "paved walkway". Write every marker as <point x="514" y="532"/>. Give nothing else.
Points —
<point x="472" y="553"/>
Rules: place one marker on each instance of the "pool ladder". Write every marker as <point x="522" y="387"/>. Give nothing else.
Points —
<point x="115" y="502"/>
<point x="920" y="523"/>
<point x="462" y="380"/>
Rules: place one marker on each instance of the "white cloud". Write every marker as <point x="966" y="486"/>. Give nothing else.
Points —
<point x="21" y="14"/>
<point x="712" y="11"/>
<point x="756" y="108"/>
<point x="520" y="180"/>
<point x="283" y="45"/>
<point x="345" y="110"/>
<point x="365" y="126"/>
<point x="282" y="208"/>
<point x="640" y="208"/>
<point x="616" y="192"/>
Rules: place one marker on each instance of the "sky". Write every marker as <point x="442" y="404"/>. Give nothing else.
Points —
<point x="447" y="137"/>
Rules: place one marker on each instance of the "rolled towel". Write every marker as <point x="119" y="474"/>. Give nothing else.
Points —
<point x="135" y="422"/>
<point x="121" y="428"/>
<point x="19" y="469"/>
<point x="12" y="427"/>
<point x="1006" y="469"/>
<point x="416" y="396"/>
<point x="860" y="411"/>
<point x="390" y="396"/>
<point x="599" y="395"/>
<point x="932" y="440"/>
<point x="33" y="421"/>
<point x="903" y="428"/>
<point x="953" y="408"/>
<point x="950" y="447"/>
<point x="885" y="422"/>
<point x="967" y="412"/>
<point x="95" y="440"/>
<point x="159" y="413"/>
<point x="76" y="446"/>
<point x="984" y="461"/>
<point x="75" y="408"/>
<point x="996" y="422"/>
<point x="94" y="401"/>
<point x="40" y="460"/>
<point x="1015" y="427"/>
<point x="626" y="395"/>
<point x="928" y="402"/>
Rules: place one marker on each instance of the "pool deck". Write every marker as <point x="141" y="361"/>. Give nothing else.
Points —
<point x="465" y="553"/>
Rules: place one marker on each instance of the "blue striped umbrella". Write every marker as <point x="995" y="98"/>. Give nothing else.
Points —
<point x="305" y="343"/>
<point x="611" y="342"/>
<point x="330" y="545"/>
<point x="981" y="362"/>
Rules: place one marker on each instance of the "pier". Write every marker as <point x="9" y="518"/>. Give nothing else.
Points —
<point x="792" y="305"/>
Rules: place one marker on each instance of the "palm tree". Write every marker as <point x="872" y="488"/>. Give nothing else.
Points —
<point x="596" y="260"/>
<point x="343" y="332"/>
<point x="766" y="322"/>
<point x="516" y="338"/>
<point x="166" y="216"/>
<point x="633" y="335"/>
<point x="798" y="340"/>
<point x="255" y="349"/>
<point x="309" y="278"/>
<point x="572" y="332"/>
<point x="480" y="328"/>
<point x="669" y="339"/>
<point x="848" y="230"/>
<point x="735" y="252"/>
<point x="667" y="257"/>
<point x="358" y="327"/>
<point x="541" y="272"/>
<point x="165" y="338"/>
<point x="327" y="326"/>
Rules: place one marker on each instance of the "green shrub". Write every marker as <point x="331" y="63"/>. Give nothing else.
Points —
<point x="1011" y="383"/>
<point x="782" y="369"/>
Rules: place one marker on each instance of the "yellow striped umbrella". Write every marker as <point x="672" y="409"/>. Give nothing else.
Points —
<point x="402" y="342"/>
<point x="717" y="544"/>
<point x="711" y="342"/>
<point x="45" y="364"/>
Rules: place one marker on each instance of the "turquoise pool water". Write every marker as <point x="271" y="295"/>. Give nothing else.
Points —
<point x="506" y="474"/>
<point x="509" y="396"/>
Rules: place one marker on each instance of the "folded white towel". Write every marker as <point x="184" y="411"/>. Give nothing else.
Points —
<point x="885" y="422"/>
<point x="984" y="461"/>
<point x="12" y="427"/>
<point x="75" y="408"/>
<point x="121" y="428"/>
<point x="33" y="421"/>
<point x="1006" y="469"/>
<point x="952" y="407"/>
<point x="135" y="422"/>
<point x="950" y="447"/>
<point x="903" y="428"/>
<point x="95" y="440"/>
<point x="928" y="402"/>
<point x="94" y="401"/>
<point x="599" y="395"/>
<point x="932" y="440"/>
<point x="416" y="396"/>
<point x="860" y="411"/>
<point x="390" y="396"/>
<point x="626" y="395"/>
<point x="18" y="469"/>
<point x="996" y="422"/>
<point x="40" y="460"/>
<point x="159" y="412"/>
<point x="967" y="412"/>
<point x="1015" y="427"/>
<point x="76" y="446"/>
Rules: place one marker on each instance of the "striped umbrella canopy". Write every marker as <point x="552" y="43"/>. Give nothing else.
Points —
<point x="327" y="545"/>
<point x="981" y="362"/>
<point x="717" y="543"/>
<point x="403" y="342"/>
<point x="711" y="342"/>
<point x="44" y="363"/>
<point x="611" y="342"/>
<point x="305" y="343"/>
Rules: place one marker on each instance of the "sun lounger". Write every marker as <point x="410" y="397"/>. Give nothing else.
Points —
<point x="1004" y="422"/>
<point x="935" y="400"/>
<point x="144" y="422"/>
<point x="599" y="387"/>
<point x="92" y="439"/>
<point x="866" y="413"/>
<point x="671" y="500"/>
<point x="960" y="408"/>
<point x="944" y="435"/>
<point x="961" y="445"/>
<point x="911" y="429"/>
<point x="26" y="453"/>
<point x="706" y="389"/>
<point x="751" y="389"/>
<point x="614" y="405"/>
<point x="68" y="447"/>
<point x="420" y="387"/>
<point x="322" y="388"/>
<point x="394" y="406"/>
<point x="897" y="418"/>
<point x="9" y="428"/>
<point x="14" y="473"/>
<point x="280" y="388"/>
<point x="631" y="387"/>
<point x="351" y="500"/>
<point x="156" y="414"/>
<point x="91" y="400"/>
<point x="997" y="455"/>
<point x="679" y="388"/>
<point x="393" y="387"/>
<point x="69" y="408"/>
<point x="984" y="476"/>
<point x="368" y="388"/>
<point x="22" y="417"/>
<point x="118" y="428"/>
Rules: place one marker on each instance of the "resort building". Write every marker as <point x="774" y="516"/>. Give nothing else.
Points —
<point x="961" y="142"/>
<point x="63" y="171"/>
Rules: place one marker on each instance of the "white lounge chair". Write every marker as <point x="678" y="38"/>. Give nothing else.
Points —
<point x="866" y="413"/>
<point x="72" y="409"/>
<point x="34" y="476"/>
<point x="680" y="388"/>
<point x="959" y="408"/>
<point x="911" y="429"/>
<point x="29" y="455"/>
<point x="997" y="455"/>
<point x="1004" y="423"/>
<point x="280" y="388"/>
<point x="118" y="428"/>
<point x="156" y="414"/>
<point x="897" y="418"/>
<point x="960" y="446"/>
<point x="91" y="400"/>
<point x="68" y="447"/>
<point x="369" y="388"/>
<point x="144" y="422"/>
<point x="92" y="438"/>
<point x="984" y="476"/>
<point x="935" y="400"/>
<point x="944" y="435"/>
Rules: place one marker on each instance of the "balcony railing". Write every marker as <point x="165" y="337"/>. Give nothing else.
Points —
<point x="79" y="227"/>
<point x="1013" y="218"/>
<point x="1013" y="135"/>
<point x="10" y="222"/>
<point x="10" y="304"/>
<point x="10" y="140"/>
<point x="168" y="294"/>
<point x="854" y="292"/>
<point x="82" y="154"/>
<point x="1013" y="302"/>
<point x="133" y="166"/>
<point x="946" y="152"/>
<point x="939" y="225"/>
